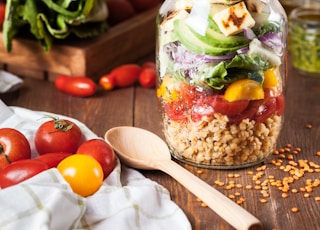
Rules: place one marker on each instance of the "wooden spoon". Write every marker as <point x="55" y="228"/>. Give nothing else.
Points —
<point x="139" y="148"/>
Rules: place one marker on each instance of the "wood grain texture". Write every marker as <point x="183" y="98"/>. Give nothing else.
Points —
<point x="138" y="107"/>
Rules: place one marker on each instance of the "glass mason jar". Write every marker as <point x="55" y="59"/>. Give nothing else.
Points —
<point x="222" y="67"/>
<point x="304" y="42"/>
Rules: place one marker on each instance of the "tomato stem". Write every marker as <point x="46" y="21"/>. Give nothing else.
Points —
<point x="61" y="125"/>
<point x="5" y="155"/>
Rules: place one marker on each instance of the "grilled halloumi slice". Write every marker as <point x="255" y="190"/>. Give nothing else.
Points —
<point x="233" y="19"/>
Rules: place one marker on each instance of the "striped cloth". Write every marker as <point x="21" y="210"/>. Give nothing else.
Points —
<point x="126" y="200"/>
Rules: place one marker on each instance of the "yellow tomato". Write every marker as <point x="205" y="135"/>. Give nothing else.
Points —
<point x="83" y="173"/>
<point x="270" y="78"/>
<point x="244" y="89"/>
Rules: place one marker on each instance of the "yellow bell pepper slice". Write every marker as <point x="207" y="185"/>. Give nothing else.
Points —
<point x="245" y="89"/>
<point x="167" y="90"/>
<point x="270" y="78"/>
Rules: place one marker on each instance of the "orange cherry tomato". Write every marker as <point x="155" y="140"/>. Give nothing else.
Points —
<point x="83" y="173"/>
<point x="107" y="82"/>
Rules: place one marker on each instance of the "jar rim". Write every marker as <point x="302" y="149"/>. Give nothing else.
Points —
<point x="307" y="15"/>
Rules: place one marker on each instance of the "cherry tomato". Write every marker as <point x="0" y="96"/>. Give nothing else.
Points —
<point x="126" y="75"/>
<point x="225" y="107"/>
<point x="249" y="112"/>
<point x="83" y="173"/>
<point x="76" y="86"/>
<point x="108" y="82"/>
<point x="147" y="77"/>
<point x="176" y="111"/>
<point x="52" y="159"/>
<point x="119" y="10"/>
<point x="20" y="171"/>
<point x="58" y="136"/>
<point x="149" y="64"/>
<point x="2" y="13"/>
<point x="280" y="104"/>
<point x="102" y="152"/>
<point x="266" y="109"/>
<point x="14" y="146"/>
<point x="142" y="5"/>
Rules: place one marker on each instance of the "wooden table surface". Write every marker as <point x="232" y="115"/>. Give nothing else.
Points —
<point x="257" y="189"/>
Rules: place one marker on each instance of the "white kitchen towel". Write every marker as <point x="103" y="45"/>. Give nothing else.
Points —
<point x="9" y="82"/>
<point x="126" y="200"/>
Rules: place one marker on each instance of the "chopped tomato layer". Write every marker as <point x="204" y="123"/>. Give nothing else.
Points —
<point x="194" y="104"/>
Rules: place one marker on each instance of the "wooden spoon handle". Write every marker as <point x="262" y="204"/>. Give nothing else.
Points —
<point x="235" y="215"/>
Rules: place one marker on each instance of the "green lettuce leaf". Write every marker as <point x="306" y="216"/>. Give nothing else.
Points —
<point x="242" y="66"/>
<point x="46" y="20"/>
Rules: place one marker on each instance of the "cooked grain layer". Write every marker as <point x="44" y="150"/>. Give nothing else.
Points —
<point x="214" y="142"/>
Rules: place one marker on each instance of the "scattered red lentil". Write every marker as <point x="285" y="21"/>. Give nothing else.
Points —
<point x="199" y="171"/>
<point x="309" y="126"/>
<point x="204" y="205"/>
<point x="263" y="201"/>
<point x="284" y="160"/>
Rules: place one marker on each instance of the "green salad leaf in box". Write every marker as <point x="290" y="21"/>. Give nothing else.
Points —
<point x="46" y="20"/>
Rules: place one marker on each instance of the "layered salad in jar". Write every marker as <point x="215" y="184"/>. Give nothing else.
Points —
<point x="221" y="77"/>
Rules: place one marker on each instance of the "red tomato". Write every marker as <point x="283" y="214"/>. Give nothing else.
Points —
<point x="280" y="104"/>
<point x="2" y="13"/>
<point x="266" y="109"/>
<point x="176" y="111"/>
<point x="126" y="75"/>
<point x="52" y="159"/>
<point x="83" y="173"/>
<point x="149" y="64"/>
<point x="102" y="152"/>
<point x="14" y="146"/>
<point x="58" y="136"/>
<point x="142" y="5"/>
<point x="220" y="105"/>
<point x="249" y="112"/>
<point x="76" y="86"/>
<point x="147" y="77"/>
<point x="107" y="82"/>
<point x="119" y="10"/>
<point x="20" y="171"/>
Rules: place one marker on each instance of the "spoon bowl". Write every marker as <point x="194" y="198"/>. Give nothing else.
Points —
<point x="139" y="148"/>
<point x="141" y="156"/>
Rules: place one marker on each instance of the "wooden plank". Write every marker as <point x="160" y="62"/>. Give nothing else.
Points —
<point x="26" y="72"/>
<point x="123" y="43"/>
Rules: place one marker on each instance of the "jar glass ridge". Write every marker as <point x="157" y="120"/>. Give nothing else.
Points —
<point x="222" y="70"/>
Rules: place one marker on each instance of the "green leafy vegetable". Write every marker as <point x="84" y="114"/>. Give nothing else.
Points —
<point x="241" y="66"/>
<point x="47" y="20"/>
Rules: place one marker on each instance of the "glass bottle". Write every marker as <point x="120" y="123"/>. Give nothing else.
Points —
<point x="222" y="68"/>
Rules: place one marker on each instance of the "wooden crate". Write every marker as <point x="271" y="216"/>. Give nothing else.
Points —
<point x="124" y="43"/>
